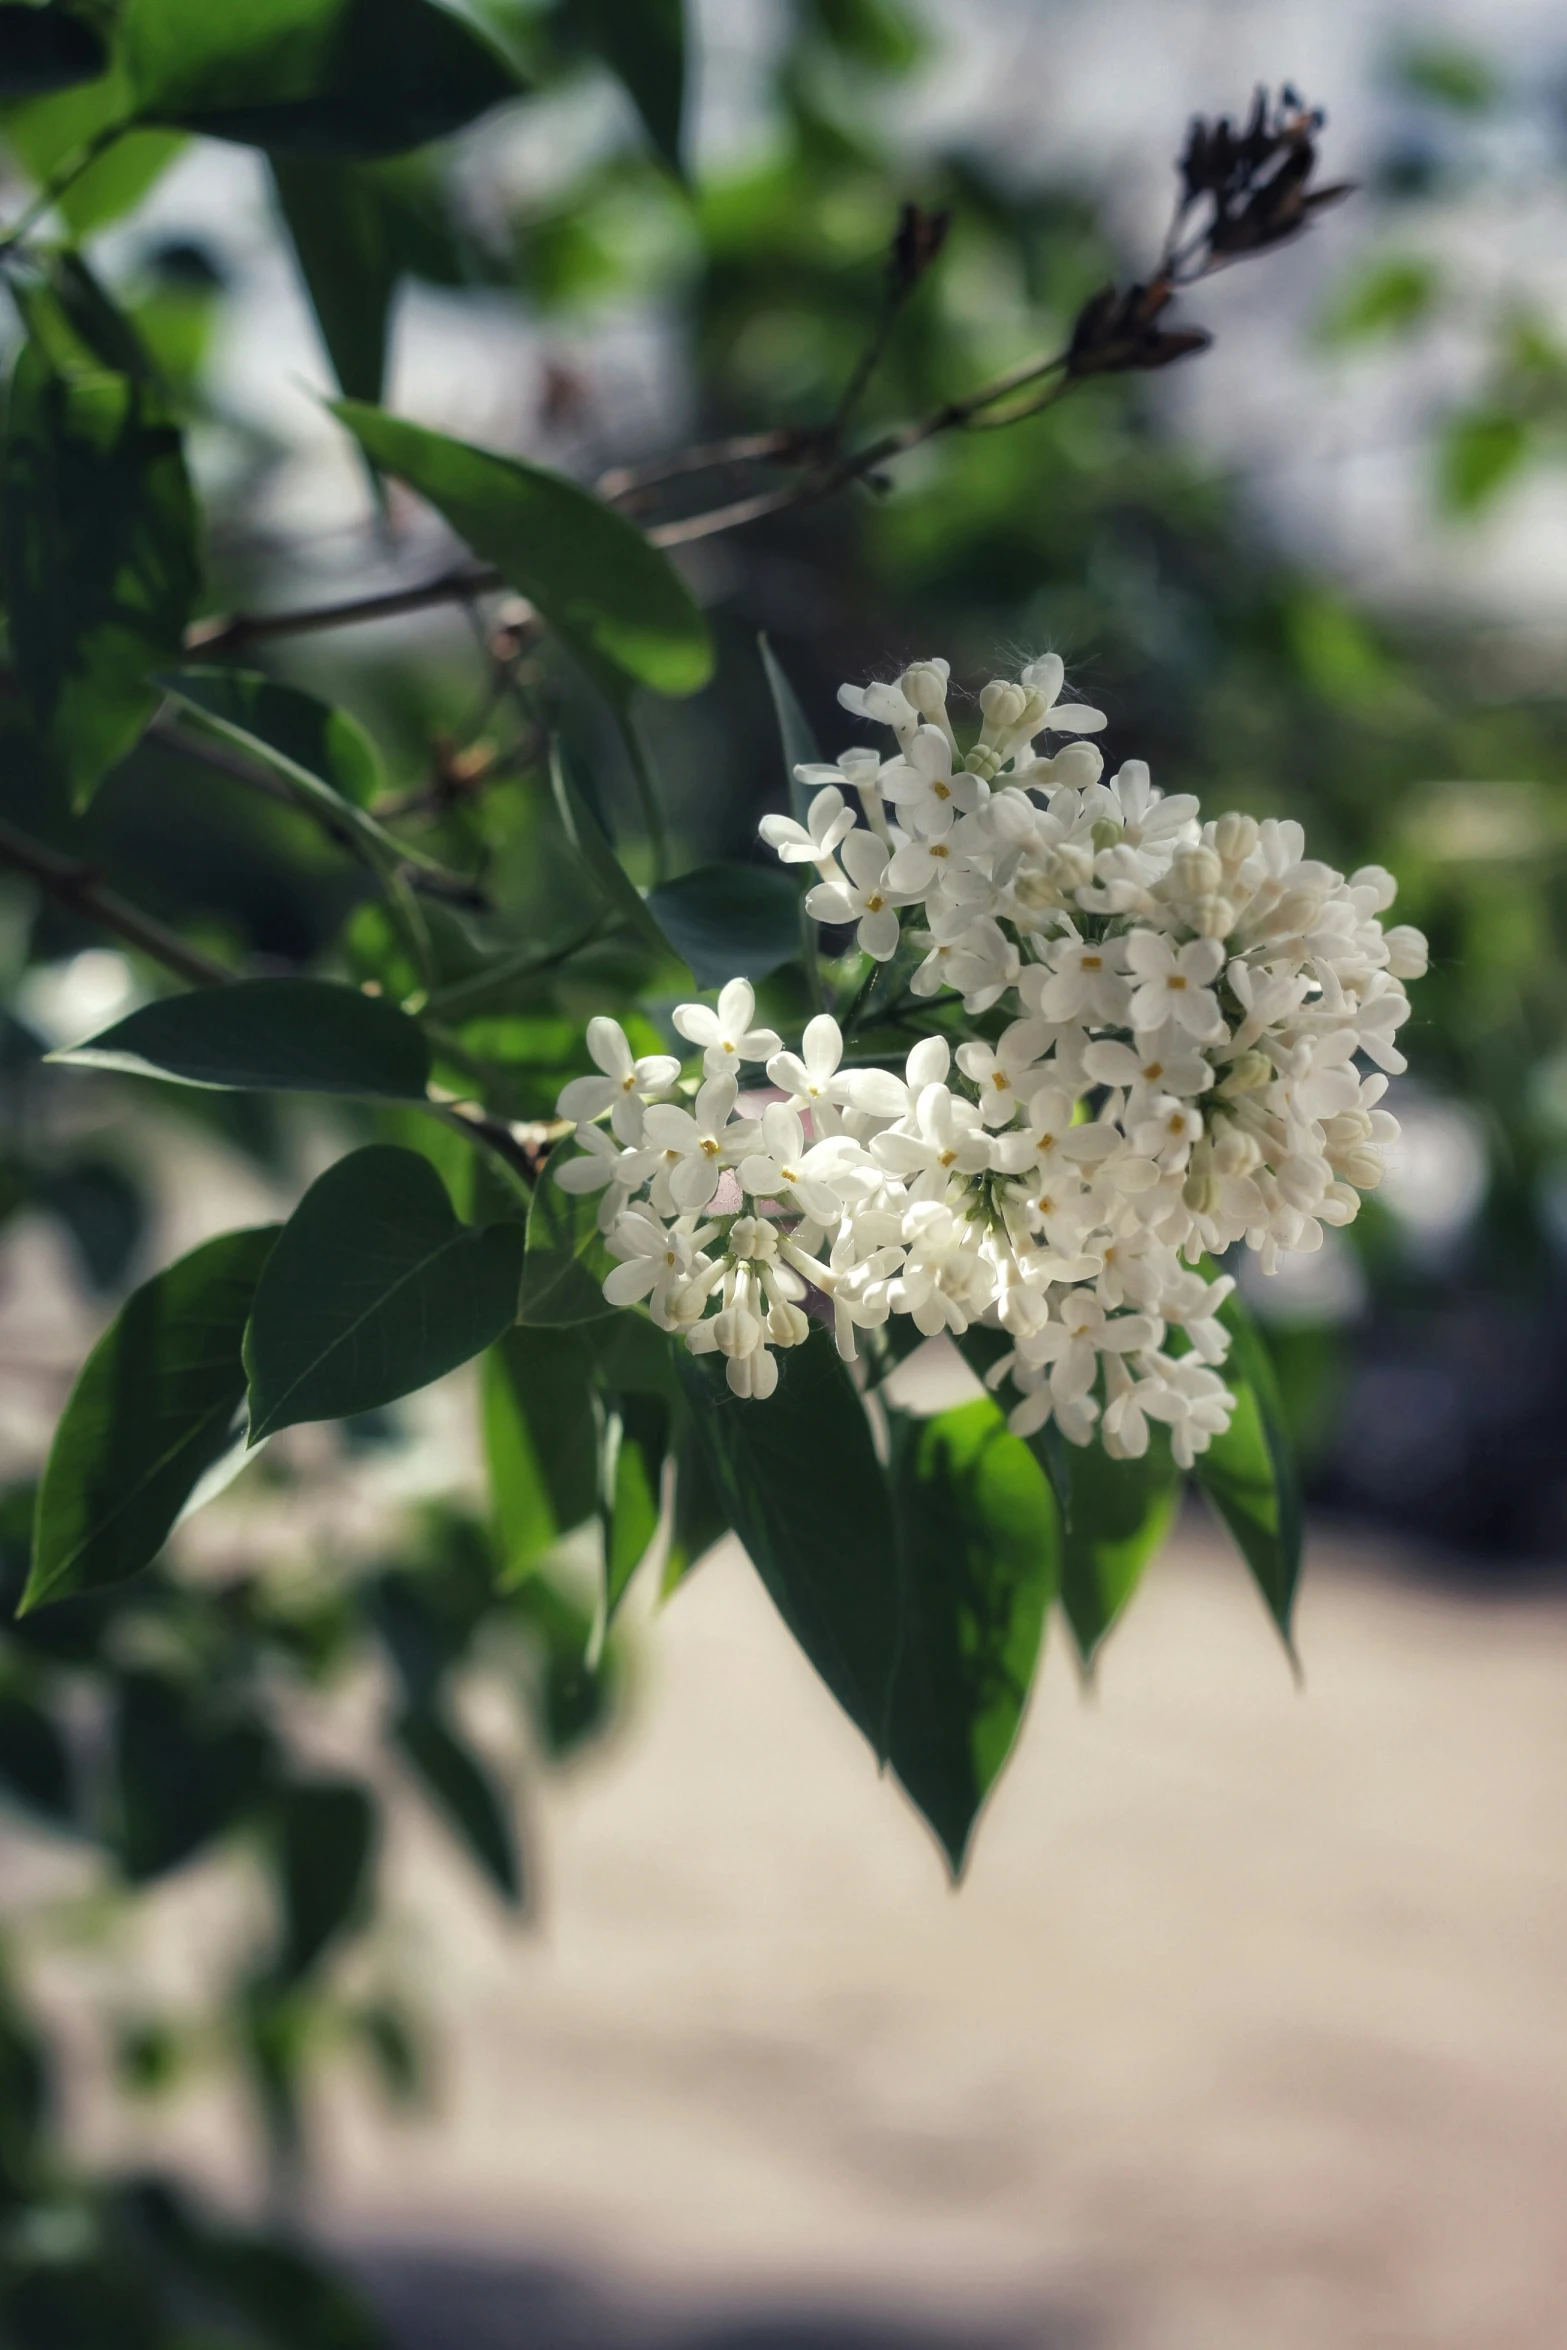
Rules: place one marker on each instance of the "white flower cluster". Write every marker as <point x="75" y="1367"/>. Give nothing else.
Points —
<point x="1191" y="1005"/>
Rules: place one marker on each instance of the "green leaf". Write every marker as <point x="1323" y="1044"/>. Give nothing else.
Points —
<point x="700" y="1520"/>
<point x="540" y="1442"/>
<point x="269" y="1036"/>
<point x="1249" y="1472"/>
<point x="183" y="1773"/>
<point x="45" y="49"/>
<point x="566" y="1259"/>
<point x="1479" y="453"/>
<point x="325" y="744"/>
<point x="373" y="1289"/>
<point x="155" y="1408"/>
<point x="609" y="877"/>
<point x="326" y="1836"/>
<point x="97" y="556"/>
<point x="47" y="134"/>
<point x="795" y="735"/>
<point x="644" y="42"/>
<point x="35" y="1765"/>
<point x="799" y="1479"/>
<point x="337" y="222"/>
<point x="982" y="1554"/>
<point x="1388" y="298"/>
<point x="982" y="1348"/>
<point x="636" y="1438"/>
<point x="1121" y="1513"/>
<point x="730" y="921"/>
<point x="609" y="595"/>
<point x="465" y="1795"/>
<point x="1450" y="74"/>
<point x="312" y="77"/>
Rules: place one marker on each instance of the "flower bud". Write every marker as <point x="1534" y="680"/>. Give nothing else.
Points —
<point x="1235" y="837"/>
<point x="983" y="760"/>
<point x="1377" y="879"/>
<point x="1361" y="1165"/>
<point x="1339" y="1204"/>
<point x="787" y="1325"/>
<point x="1196" y="873"/>
<point x="1234" y="1153"/>
<point x="1407" y="952"/>
<point x="1201" y="1194"/>
<point x="1212" y="917"/>
<point x="1247" y="1072"/>
<point x="1004" y="706"/>
<point x="924" y="683"/>
<point x="1106" y="833"/>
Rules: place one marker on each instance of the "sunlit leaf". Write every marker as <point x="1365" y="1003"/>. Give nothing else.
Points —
<point x="155" y="1407"/>
<point x="566" y="1259"/>
<point x="373" y="1290"/>
<point x="636" y="1439"/>
<point x="326" y="743"/>
<point x="1121" y="1512"/>
<point x="1480" y="452"/>
<point x="609" y="594"/>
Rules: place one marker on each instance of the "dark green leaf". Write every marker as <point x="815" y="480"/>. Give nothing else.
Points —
<point x="795" y="736"/>
<point x="310" y="734"/>
<point x="46" y="49"/>
<point x="643" y="41"/>
<point x="155" y="1408"/>
<point x="97" y="554"/>
<point x="1387" y="299"/>
<point x="982" y="1552"/>
<point x="465" y="1795"/>
<point x="373" y="1289"/>
<point x="799" y="1479"/>
<point x="313" y="77"/>
<point x="182" y="1774"/>
<point x="269" y="1036"/>
<point x="326" y="1835"/>
<point x="1121" y="1513"/>
<point x="700" y="1519"/>
<point x="540" y="1441"/>
<point x="566" y="1258"/>
<point x="338" y="226"/>
<point x="610" y="595"/>
<point x="730" y="921"/>
<point x="1249" y="1472"/>
<point x="35" y="1767"/>
<point x="588" y="837"/>
<point x="636" y="1438"/>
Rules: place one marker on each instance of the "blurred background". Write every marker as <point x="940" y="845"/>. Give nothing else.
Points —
<point x="1248" y="2026"/>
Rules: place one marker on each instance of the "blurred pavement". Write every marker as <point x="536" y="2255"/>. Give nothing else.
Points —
<point x="1247" y="2032"/>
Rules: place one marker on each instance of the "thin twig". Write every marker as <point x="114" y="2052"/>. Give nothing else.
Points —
<point x="624" y="481"/>
<point x="77" y="886"/>
<point x="66" y="177"/>
<point x="493" y="1133"/>
<point x="210" y="640"/>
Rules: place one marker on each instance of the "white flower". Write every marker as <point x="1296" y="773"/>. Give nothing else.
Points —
<point x="658" y="1261"/>
<point x="945" y="1138"/>
<point x="925" y="791"/>
<point x="1085" y="980"/>
<point x="1175" y="984"/>
<point x="861" y="894"/>
<point x="624" y="1080"/>
<point x="787" y="1168"/>
<point x="694" y="1146"/>
<point x="1006" y="1075"/>
<point x="727" y="1035"/>
<point x="954" y="863"/>
<point x="827" y="822"/>
<point x="1153" y="1064"/>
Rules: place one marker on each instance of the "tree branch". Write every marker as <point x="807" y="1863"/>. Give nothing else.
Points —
<point x="78" y="887"/>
